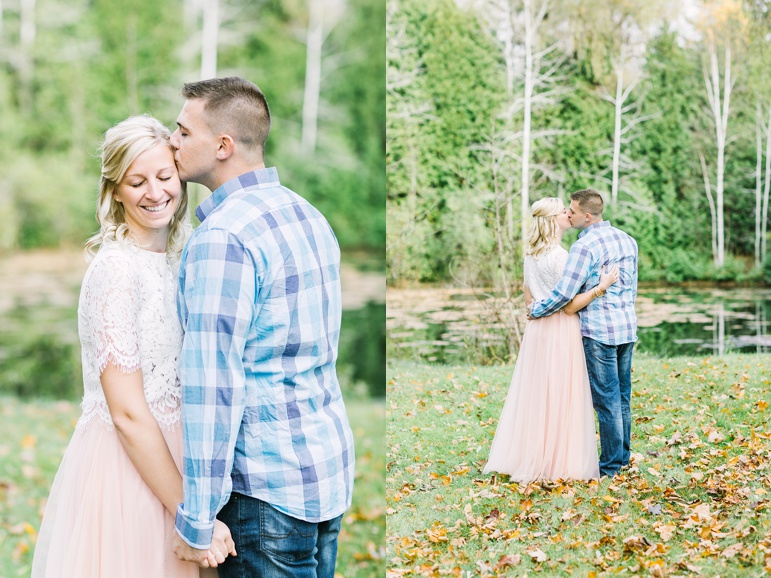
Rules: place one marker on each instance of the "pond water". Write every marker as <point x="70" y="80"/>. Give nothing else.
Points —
<point x="38" y="323"/>
<point x="461" y="325"/>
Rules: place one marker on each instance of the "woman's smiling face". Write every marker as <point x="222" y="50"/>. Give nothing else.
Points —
<point x="150" y="191"/>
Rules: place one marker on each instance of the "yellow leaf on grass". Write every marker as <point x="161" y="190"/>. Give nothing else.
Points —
<point x="28" y="441"/>
<point x="666" y="531"/>
<point x="19" y="551"/>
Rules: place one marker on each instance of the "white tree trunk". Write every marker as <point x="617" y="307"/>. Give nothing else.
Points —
<point x="511" y="73"/>
<point x="720" y="113"/>
<point x="78" y="112"/>
<point x="766" y="190"/>
<point x="27" y="30"/>
<point x="210" y="39"/>
<point x="619" y="104"/>
<point x="132" y="81"/>
<point x="708" y="190"/>
<point x="314" y="42"/>
<point x="528" y="101"/>
<point x="758" y="180"/>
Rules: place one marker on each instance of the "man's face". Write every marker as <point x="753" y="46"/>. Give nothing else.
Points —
<point x="576" y="217"/>
<point x="196" y="145"/>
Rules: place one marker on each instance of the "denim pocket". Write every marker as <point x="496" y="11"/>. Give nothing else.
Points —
<point x="286" y="538"/>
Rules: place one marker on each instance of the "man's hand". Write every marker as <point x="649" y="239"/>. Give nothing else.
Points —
<point x="222" y="545"/>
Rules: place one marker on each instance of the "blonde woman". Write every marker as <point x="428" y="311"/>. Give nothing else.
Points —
<point x="546" y="428"/>
<point x="111" y="507"/>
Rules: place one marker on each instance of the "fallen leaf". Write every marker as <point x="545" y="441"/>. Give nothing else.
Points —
<point x="28" y="441"/>
<point x="732" y="550"/>
<point x="537" y="555"/>
<point x="508" y="560"/>
<point x="666" y="531"/>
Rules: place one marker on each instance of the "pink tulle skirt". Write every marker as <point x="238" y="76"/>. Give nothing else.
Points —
<point x="546" y="429"/>
<point x="102" y="520"/>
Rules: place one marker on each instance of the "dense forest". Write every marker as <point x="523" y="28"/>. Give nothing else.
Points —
<point x="70" y="69"/>
<point x="664" y="107"/>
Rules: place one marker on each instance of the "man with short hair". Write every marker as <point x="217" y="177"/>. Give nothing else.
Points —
<point x="608" y="324"/>
<point x="267" y="445"/>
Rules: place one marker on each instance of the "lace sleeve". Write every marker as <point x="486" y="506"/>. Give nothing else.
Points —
<point x="112" y="305"/>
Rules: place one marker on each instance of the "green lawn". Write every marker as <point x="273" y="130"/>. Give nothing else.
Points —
<point x="695" y="501"/>
<point x="34" y="435"/>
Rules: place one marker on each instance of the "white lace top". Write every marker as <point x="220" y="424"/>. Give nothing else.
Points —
<point x="127" y="315"/>
<point x="544" y="271"/>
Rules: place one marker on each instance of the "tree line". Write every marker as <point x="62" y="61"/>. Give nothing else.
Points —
<point x="492" y="104"/>
<point x="70" y="69"/>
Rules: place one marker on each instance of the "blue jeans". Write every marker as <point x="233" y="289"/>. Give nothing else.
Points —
<point x="610" y="375"/>
<point x="271" y="544"/>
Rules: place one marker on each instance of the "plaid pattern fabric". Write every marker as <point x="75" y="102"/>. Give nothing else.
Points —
<point x="263" y="415"/>
<point x="610" y="319"/>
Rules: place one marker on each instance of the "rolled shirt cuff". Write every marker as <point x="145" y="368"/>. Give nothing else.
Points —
<point x="195" y="534"/>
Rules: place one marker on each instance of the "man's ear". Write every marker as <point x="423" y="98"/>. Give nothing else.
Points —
<point x="226" y="147"/>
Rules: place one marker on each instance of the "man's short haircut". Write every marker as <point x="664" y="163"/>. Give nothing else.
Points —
<point x="236" y="107"/>
<point x="590" y="201"/>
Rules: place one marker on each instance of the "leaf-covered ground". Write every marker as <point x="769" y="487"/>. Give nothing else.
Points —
<point x="33" y="437"/>
<point x="694" y="502"/>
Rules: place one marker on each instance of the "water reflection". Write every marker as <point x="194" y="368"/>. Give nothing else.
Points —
<point x="448" y="325"/>
<point x="697" y="322"/>
<point x="40" y="352"/>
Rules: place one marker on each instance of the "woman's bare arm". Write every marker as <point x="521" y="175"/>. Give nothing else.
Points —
<point x="580" y="301"/>
<point x="141" y="436"/>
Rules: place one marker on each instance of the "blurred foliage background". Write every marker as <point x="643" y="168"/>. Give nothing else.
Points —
<point x="70" y="69"/>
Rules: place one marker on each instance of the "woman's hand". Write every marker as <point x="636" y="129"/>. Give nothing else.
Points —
<point x="607" y="279"/>
<point x="221" y="545"/>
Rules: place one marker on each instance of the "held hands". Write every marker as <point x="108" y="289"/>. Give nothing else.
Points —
<point x="222" y="544"/>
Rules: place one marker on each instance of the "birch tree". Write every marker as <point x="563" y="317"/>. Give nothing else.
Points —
<point x="613" y="36"/>
<point x="762" y="180"/>
<point x="532" y="62"/>
<point x="627" y="70"/>
<point x="723" y="26"/>
<point x="323" y="16"/>
<point x="759" y="81"/>
<point x="27" y="31"/>
<point x="210" y="38"/>
<point x="763" y="217"/>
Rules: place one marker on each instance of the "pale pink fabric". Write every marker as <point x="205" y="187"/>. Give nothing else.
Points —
<point x="102" y="520"/>
<point x="546" y="429"/>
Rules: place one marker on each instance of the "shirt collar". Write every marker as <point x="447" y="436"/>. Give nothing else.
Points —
<point x="260" y="179"/>
<point x="599" y="225"/>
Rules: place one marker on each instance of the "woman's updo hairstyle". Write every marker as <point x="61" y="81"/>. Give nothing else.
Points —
<point x="543" y="228"/>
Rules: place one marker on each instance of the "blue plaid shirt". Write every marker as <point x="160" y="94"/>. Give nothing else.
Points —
<point x="611" y="318"/>
<point x="263" y="415"/>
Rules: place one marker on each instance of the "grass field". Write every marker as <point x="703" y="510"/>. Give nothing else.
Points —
<point x="33" y="437"/>
<point x="695" y="501"/>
